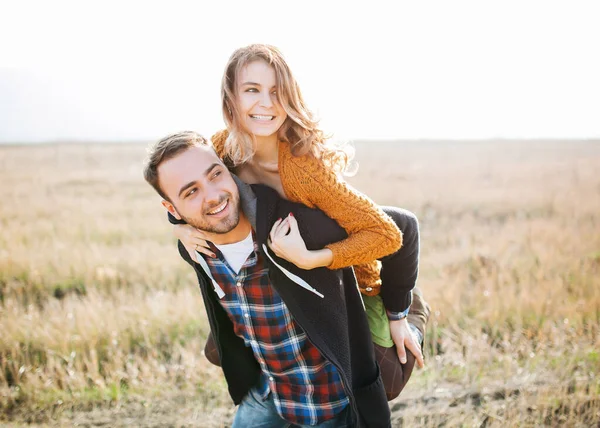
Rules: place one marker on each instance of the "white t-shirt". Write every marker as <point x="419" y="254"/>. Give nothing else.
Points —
<point x="237" y="253"/>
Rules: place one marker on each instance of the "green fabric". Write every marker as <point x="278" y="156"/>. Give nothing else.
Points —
<point x="378" y="321"/>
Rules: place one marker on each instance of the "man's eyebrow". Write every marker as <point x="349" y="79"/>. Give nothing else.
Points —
<point x="193" y="183"/>
<point x="210" y="168"/>
<point x="184" y="188"/>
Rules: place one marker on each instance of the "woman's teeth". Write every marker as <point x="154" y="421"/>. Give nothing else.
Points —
<point x="219" y="208"/>
<point x="261" y="117"/>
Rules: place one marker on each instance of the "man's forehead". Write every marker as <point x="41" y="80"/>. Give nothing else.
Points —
<point x="186" y="166"/>
<point x="192" y="159"/>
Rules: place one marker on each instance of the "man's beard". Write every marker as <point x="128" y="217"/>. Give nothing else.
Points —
<point x="222" y="226"/>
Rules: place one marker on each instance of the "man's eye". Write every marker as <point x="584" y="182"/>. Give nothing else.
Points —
<point x="190" y="193"/>
<point x="216" y="174"/>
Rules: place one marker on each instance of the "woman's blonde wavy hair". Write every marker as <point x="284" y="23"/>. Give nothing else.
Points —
<point x="300" y="128"/>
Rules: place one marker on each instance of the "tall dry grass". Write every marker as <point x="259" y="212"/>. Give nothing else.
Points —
<point x="97" y="311"/>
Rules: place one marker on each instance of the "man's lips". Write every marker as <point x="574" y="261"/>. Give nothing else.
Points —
<point x="219" y="208"/>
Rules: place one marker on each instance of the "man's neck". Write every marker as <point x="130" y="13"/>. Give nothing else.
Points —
<point x="237" y="234"/>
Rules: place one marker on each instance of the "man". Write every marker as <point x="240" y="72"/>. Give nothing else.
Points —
<point x="294" y="345"/>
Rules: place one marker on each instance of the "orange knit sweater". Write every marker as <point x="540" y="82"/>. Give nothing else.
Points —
<point x="371" y="233"/>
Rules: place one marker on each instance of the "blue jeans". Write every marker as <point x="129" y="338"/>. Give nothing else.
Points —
<point x="254" y="412"/>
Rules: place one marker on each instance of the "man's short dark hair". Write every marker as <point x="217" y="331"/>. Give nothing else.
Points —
<point x="167" y="148"/>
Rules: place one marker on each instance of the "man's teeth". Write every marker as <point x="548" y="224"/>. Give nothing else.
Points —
<point x="219" y="209"/>
<point x="261" y="117"/>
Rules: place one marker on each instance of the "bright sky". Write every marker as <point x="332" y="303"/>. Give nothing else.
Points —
<point x="122" y="70"/>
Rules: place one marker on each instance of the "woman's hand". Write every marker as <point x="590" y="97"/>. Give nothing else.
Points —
<point x="286" y="242"/>
<point x="193" y="240"/>
<point x="404" y="339"/>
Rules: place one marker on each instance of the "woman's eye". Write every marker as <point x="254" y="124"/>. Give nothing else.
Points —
<point x="251" y="90"/>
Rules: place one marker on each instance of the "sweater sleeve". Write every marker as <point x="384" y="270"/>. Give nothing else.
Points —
<point x="371" y="233"/>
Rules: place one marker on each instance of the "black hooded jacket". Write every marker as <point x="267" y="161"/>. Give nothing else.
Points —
<point x="336" y="324"/>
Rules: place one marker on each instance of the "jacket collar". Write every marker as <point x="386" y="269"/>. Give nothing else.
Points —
<point x="247" y="200"/>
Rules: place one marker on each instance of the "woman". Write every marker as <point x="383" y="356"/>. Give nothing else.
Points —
<point x="272" y="139"/>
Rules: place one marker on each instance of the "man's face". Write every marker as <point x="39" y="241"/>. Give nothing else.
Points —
<point x="201" y="190"/>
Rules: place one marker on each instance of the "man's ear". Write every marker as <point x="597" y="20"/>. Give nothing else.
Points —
<point x="171" y="208"/>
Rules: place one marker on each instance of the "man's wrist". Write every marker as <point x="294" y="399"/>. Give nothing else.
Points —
<point x="396" y="316"/>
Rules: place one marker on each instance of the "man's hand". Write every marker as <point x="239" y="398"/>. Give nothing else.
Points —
<point x="285" y="240"/>
<point x="404" y="339"/>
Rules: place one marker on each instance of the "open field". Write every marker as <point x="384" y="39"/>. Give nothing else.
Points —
<point x="101" y="323"/>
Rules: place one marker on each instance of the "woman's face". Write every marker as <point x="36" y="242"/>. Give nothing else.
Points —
<point x="257" y="102"/>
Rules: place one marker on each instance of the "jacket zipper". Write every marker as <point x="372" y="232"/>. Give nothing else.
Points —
<point x="328" y="358"/>
<point x="340" y="372"/>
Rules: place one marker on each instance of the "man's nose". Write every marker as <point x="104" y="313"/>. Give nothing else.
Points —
<point x="212" y="195"/>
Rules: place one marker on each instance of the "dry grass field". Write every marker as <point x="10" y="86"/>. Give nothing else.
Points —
<point x="102" y="324"/>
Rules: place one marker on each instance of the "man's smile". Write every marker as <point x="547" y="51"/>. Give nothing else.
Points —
<point x="219" y="208"/>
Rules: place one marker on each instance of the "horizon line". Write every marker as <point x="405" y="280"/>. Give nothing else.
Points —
<point x="351" y="140"/>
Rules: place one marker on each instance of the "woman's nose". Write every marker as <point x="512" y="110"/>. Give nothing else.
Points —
<point x="265" y="100"/>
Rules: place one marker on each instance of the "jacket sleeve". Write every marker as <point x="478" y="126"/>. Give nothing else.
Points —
<point x="419" y="312"/>
<point x="371" y="233"/>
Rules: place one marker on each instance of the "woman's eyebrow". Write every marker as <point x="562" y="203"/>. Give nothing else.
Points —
<point x="256" y="84"/>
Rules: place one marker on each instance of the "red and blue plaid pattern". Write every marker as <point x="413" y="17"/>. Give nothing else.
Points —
<point x="306" y="388"/>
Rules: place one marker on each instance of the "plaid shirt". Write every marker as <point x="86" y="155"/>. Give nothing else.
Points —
<point x="306" y="388"/>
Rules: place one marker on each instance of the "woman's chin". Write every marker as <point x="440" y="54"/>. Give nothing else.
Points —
<point x="263" y="133"/>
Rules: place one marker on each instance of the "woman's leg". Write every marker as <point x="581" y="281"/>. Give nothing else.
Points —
<point x="402" y="267"/>
<point x="399" y="273"/>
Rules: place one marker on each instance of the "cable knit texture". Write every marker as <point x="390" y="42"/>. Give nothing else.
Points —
<point x="371" y="233"/>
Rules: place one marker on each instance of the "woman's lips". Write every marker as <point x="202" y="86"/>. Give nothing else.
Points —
<point x="262" y="117"/>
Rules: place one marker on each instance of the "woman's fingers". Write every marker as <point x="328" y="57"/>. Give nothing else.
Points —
<point x="205" y="250"/>
<point x="194" y="240"/>
<point x="283" y="228"/>
<point x="200" y="243"/>
<point x="278" y="231"/>
<point x="199" y="249"/>
<point x="274" y="229"/>
<point x="201" y="246"/>
<point x="293" y="224"/>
